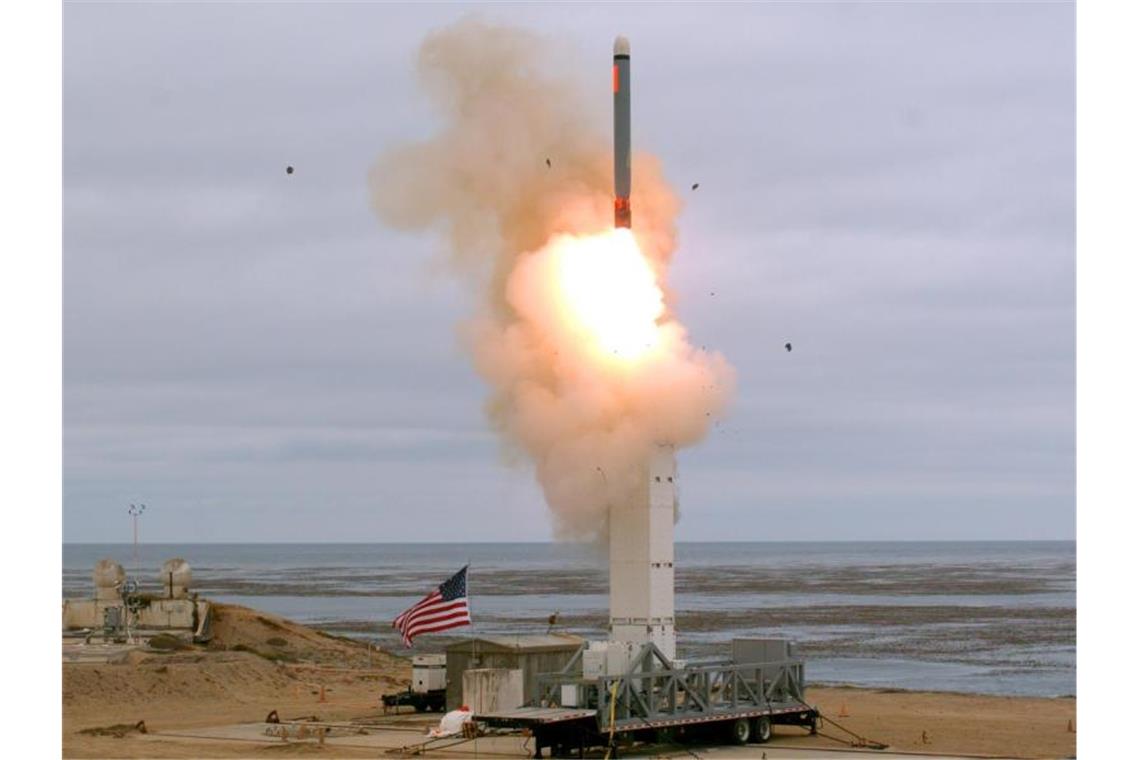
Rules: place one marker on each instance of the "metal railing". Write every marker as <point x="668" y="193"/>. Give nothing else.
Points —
<point x="652" y="689"/>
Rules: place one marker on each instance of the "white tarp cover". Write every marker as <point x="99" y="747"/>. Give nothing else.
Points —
<point x="452" y="723"/>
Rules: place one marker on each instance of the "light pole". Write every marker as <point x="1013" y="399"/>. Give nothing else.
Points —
<point x="135" y="512"/>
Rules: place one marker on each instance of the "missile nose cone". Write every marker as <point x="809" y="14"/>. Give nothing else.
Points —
<point x="621" y="45"/>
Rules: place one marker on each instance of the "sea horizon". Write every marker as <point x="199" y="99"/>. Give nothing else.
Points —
<point x="993" y="616"/>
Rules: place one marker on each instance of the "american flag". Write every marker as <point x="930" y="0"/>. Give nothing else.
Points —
<point x="442" y="609"/>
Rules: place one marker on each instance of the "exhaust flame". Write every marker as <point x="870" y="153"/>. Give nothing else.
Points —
<point x="605" y="292"/>
<point x="588" y="367"/>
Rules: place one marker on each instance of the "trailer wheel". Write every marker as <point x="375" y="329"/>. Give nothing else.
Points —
<point x="762" y="729"/>
<point x="741" y="731"/>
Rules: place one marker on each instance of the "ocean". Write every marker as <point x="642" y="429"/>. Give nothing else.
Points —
<point x="977" y="617"/>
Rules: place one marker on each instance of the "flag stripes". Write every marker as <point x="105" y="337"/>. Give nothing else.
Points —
<point x="442" y="609"/>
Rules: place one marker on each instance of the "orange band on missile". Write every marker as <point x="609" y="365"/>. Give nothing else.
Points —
<point x="623" y="216"/>
<point x="617" y="79"/>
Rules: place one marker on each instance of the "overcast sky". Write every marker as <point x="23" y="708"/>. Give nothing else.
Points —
<point x="889" y="187"/>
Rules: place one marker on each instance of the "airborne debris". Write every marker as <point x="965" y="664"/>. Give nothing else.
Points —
<point x="788" y="346"/>
<point x="288" y="169"/>
<point x="696" y="185"/>
<point x="548" y="163"/>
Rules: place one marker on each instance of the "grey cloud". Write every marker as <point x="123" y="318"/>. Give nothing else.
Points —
<point x="888" y="186"/>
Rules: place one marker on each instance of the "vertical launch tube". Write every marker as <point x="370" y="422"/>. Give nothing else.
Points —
<point x="622" y="214"/>
<point x="641" y="529"/>
<point x="641" y="562"/>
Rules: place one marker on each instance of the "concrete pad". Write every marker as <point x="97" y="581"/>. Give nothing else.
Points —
<point x="388" y="738"/>
<point x="77" y="651"/>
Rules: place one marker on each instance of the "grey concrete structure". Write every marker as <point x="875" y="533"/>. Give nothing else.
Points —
<point x="121" y="610"/>
<point x="108" y="576"/>
<point x="176" y="577"/>
<point x="491" y="689"/>
<point x="530" y="654"/>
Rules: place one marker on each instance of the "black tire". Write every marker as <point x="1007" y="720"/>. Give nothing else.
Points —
<point x="761" y="729"/>
<point x="740" y="731"/>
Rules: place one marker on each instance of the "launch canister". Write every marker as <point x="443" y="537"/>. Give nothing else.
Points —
<point x="622" y="215"/>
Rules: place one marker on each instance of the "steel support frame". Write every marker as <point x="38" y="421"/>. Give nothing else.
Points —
<point x="652" y="690"/>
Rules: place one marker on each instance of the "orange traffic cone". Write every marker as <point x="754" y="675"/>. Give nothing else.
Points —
<point x="843" y="711"/>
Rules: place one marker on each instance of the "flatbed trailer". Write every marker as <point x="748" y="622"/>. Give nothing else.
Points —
<point x="657" y="701"/>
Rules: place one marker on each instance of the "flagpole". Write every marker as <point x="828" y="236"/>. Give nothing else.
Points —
<point x="475" y="740"/>
<point x="469" y="615"/>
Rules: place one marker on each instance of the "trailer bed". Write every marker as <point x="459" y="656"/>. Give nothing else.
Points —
<point x="523" y="717"/>
<point x="740" y="698"/>
<point x="722" y="715"/>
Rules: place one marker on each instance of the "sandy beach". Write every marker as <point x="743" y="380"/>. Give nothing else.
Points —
<point x="258" y="663"/>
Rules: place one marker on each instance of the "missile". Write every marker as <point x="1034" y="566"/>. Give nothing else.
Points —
<point x="622" y="214"/>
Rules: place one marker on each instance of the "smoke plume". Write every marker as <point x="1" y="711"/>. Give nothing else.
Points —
<point x="588" y="369"/>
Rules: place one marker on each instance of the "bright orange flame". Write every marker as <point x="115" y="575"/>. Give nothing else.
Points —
<point x="608" y="292"/>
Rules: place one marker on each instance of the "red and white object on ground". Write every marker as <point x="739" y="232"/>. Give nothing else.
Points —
<point x="451" y="724"/>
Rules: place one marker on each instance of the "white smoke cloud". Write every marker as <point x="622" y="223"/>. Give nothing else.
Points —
<point x="585" y="418"/>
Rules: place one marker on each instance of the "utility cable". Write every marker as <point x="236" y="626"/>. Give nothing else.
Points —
<point x="860" y="740"/>
<point x="613" y="715"/>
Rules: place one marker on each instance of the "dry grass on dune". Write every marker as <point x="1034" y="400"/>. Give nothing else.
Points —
<point x="143" y="679"/>
<point x="255" y="663"/>
<point x="276" y="638"/>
